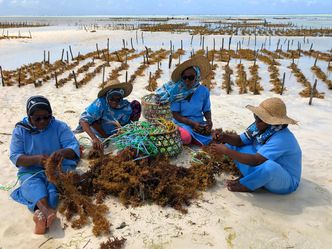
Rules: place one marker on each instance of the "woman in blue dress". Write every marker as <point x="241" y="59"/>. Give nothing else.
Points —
<point x="267" y="153"/>
<point x="190" y="101"/>
<point x="39" y="137"/>
<point x="108" y="112"/>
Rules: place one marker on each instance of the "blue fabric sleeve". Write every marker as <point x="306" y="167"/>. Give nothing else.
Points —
<point x="273" y="148"/>
<point x="93" y="112"/>
<point x="207" y="102"/>
<point x="176" y="107"/>
<point x="245" y="140"/>
<point x="16" y="145"/>
<point x="68" y="139"/>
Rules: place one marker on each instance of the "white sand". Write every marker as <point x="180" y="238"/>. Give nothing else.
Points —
<point x="219" y="219"/>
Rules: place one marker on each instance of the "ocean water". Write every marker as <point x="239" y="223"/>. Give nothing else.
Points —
<point x="305" y="21"/>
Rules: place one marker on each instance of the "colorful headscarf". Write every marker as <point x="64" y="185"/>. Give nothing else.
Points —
<point x="177" y="91"/>
<point x="114" y="92"/>
<point x="38" y="102"/>
<point x="253" y="133"/>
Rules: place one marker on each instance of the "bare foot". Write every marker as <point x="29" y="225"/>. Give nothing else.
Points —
<point x="237" y="187"/>
<point x="233" y="181"/>
<point x="40" y="222"/>
<point x="51" y="215"/>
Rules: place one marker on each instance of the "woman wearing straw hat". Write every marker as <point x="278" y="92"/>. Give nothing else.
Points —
<point x="109" y="112"/>
<point x="267" y="153"/>
<point x="39" y="137"/>
<point x="190" y="101"/>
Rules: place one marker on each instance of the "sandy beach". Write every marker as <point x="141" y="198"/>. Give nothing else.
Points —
<point x="219" y="218"/>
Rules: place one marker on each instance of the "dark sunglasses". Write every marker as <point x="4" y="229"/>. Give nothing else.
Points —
<point x="40" y="118"/>
<point x="190" y="77"/>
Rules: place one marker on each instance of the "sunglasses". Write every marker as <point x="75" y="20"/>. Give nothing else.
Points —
<point x="189" y="77"/>
<point x="41" y="118"/>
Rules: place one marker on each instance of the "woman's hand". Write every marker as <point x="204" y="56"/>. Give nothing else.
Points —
<point x="196" y="126"/>
<point x="218" y="149"/>
<point x="57" y="156"/>
<point x="209" y="126"/>
<point x="41" y="159"/>
<point x="97" y="144"/>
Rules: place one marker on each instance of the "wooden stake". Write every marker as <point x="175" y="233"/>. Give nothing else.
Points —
<point x="313" y="89"/>
<point x="76" y="84"/>
<point x="170" y="61"/>
<point x="56" y="80"/>
<point x="316" y="60"/>
<point x="19" y="77"/>
<point x="191" y="41"/>
<point x="103" y="78"/>
<point x="142" y="38"/>
<point x="44" y="56"/>
<point x="123" y="43"/>
<point x="283" y="83"/>
<point x="203" y="39"/>
<point x="108" y="45"/>
<point x="222" y="43"/>
<point x="63" y="50"/>
<point x="67" y="56"/>
<point x="181" y="45"/>
<point x="131" y="42"/>
<point x="2" y="78"/>
<point x="48" y="57"/>
<point x="97" y="50"/>
<point x="147" y="54"/>
<point x="71" y="53"/>
<point x="126" y="76"/>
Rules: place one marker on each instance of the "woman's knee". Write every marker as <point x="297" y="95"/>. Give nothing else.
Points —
<point x="185" y="136"/>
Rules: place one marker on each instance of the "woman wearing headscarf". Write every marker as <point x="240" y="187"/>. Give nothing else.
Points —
<point x="108" y="112"/>
<point x="267" y="153"/>
<point x="189" y="100"/>
<point x="36" y="138"/>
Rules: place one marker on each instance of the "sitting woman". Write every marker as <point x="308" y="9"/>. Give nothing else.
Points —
<point x="35" y="139"/>
<point x="267" y="153"/>
<point x="108" y="112"/>
<point x="190" y="101"/>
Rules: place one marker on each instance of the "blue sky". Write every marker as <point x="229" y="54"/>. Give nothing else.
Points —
<point x="163" y="7"/>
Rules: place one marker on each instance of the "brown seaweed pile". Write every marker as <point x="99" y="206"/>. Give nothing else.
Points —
<point x="78" y="208"/>
<point x="115" y="243"/>
<point x="134" y="183"/>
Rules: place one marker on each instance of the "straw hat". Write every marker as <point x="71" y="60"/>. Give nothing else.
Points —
<point x="199" y="60"/>
<point x="113" y="84"/>
<point x="272" y="111"/>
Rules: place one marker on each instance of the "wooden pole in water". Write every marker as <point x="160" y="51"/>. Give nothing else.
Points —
<point x="2" y="78"/>
<point x="191" y="41"/>
<point x="123" y="43"/>
<point x="44" y="56"/>
<point x="48" y="57"/>
<point x="181" y="45"/>
<point x="283" y="83"/>
<point x="222" y="43"/>
<point x="313" y="89"/>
